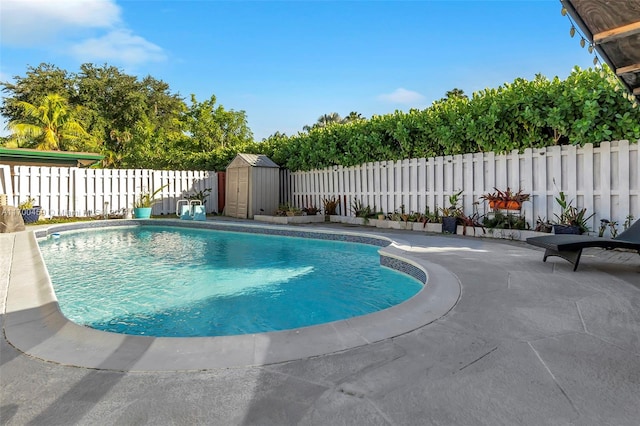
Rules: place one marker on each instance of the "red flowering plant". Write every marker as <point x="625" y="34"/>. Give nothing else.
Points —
<point x="507" y="200"/>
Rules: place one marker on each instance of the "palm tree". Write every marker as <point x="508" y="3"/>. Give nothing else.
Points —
<point x="48" y="126"/>
<point x="331" y="118"/>
<point x="353" y="116"/>
<point x="111" y="159"/>
<point x="455" y="93"/>
<point x="324" y="120"/>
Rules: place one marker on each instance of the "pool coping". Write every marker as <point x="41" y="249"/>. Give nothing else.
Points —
<point x="35" y="325"/>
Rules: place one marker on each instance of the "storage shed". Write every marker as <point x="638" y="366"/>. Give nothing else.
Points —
<point x="252" y="187"/>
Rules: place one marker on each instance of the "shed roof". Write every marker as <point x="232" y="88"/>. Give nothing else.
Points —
<point x="613" y="27"/>
<point x="253" y="160"/>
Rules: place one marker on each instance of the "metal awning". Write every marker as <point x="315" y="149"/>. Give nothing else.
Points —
<point x="35" y="157"/>
<point x="613" y="28"/>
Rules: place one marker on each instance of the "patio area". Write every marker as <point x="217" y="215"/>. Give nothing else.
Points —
<point x="528" y="343"/>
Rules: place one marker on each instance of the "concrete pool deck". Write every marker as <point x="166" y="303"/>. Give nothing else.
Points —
<point x="527" y="343"/>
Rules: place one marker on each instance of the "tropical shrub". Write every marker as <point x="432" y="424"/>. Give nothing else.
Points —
<point x="588" y="107"/>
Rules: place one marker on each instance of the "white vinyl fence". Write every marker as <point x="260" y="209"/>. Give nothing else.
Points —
<point x="70" y="191"/>
<point x="605" y="180"/>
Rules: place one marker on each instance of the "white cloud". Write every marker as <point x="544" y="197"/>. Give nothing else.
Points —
<point x="32" y="22"/>
<point x="119" y="46"/>
<point x="62" y="25"/>
<point x="402" y="96"/>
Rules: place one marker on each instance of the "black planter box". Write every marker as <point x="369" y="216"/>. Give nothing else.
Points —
<point x="566" y="229"/>
<point x="449" y="225"/>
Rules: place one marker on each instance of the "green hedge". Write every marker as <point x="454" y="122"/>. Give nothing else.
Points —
<point x="588" y="107"/>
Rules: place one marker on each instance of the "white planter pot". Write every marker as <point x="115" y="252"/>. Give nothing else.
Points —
<point x="418" y="226"/>
<point x="434" y="227"/>
<point x="354" y="220"/>
<point x="350" y="220"/>
<point x="288" y="219"/>
<point x="382" y="224"/>
<point x="394" y="224"/>
<point x="429" y="227"/>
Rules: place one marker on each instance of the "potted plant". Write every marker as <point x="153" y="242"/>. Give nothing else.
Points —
<point x="543" y="225"/>
<point x="451" y="214"/>
<point x="199" y="196"/>
<point x="504" y="220"/>
<point x="361" y="211"/>
<point x="291" y="210"/>
<point x="330" y="206"/>
<point x="571" y="220"/>
<point x="505" y="200"/>
<point x="428" y="217"/>
<point x="29" y="212"/>
<point x="311" y="210"/>
<point x="604" y="223"/>
<point x="472" y="221"/>
<point x="145" y="201"/>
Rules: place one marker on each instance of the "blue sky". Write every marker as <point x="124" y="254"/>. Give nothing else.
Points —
<point x="287" y="62"/>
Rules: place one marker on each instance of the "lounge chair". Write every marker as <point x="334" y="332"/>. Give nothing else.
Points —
<point x="569" y="247"/>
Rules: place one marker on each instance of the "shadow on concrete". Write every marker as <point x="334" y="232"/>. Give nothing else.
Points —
<point x="7" y="412"/>
<point x="92" y="388"/>
<point x="7" y="352"/>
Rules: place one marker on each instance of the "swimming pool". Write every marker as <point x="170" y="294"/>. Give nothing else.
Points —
<point x="179" y="282"/>
<point x="34" y="324"/>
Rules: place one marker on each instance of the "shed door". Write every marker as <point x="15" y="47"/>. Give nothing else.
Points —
<point x="243" y="193"/>
<point x="237" y="192"/>
<point x="231" y="205"/>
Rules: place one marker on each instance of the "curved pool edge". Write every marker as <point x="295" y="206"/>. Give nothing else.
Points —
<point x="34" y="324"/>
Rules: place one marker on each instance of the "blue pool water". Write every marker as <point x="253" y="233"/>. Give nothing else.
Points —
<point x="162" y="281"/>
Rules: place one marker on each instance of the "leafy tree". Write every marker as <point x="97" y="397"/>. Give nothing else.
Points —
<point x="49" y="125"/>
<point x="138" y="120"/>
<point x="39" y="82"/>
<point x="125" y="115"/>
<point x="277" y="147"/>
<point x="211" y="126"/>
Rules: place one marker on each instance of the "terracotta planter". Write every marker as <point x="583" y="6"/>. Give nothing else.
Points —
<point x="505" y="205"/>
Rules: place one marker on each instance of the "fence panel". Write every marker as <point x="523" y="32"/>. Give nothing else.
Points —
<point x="70" y="191"/>
<point x="605" y="180"/>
